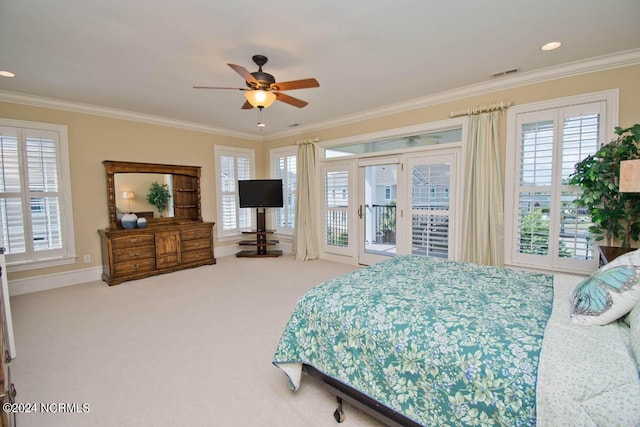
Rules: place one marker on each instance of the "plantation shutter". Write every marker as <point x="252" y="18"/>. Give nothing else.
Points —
<point x="11" y="193"/>
<point x="285" y="169"/>
<point x="430" y="206"/>
<point x="30" y="194"/>
<point x="550" y="230"/>
<point x="44" y="198"/>
<point x="234" y="165"/>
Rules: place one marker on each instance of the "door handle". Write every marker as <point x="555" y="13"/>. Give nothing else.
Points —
<point x="360" y="211"/>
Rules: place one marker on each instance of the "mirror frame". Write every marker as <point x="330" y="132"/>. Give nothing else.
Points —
<point x="112" y="167"/>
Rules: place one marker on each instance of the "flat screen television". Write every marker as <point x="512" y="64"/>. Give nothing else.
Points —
<point x="260" y="193"/>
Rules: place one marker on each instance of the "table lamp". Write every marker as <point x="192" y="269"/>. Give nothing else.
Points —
<point x="629" y="176"/>
<point x="129" y="220"/>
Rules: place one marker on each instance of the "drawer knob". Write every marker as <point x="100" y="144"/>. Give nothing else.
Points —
<point x="197" y="245"/>
<point x="136" y="266"/>
<point x="134" y="253"/>
<point x="197" y="256"/>
<point x="133" y="240"/>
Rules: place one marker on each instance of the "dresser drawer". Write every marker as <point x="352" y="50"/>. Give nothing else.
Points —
<point x="196" y="233"/>
<point x="194" y="245"/>
<point x="126" y="242"/>
<point x="132" y="267"/>
<point x="133" y="254"/>
<point x="197" y="256"/>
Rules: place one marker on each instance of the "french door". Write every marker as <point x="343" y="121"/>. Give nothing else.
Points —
<point x="378" y="209"/>
<point x="407" y="205"/>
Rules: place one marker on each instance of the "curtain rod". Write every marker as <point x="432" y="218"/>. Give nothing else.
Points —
<point x="307" y="141"/>
<point x="482" y="109"/>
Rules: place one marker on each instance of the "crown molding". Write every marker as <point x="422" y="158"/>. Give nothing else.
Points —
<point x="600" y="63"/>
<point x="38" y="101"/>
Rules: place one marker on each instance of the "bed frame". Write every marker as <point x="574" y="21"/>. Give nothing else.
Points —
<point x="358" y="399"/>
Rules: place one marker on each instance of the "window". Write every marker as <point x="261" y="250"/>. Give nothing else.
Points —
<point x="394" y="143"/>
<point x="546" y="229"/>
<point x="232" y="164"/>
<point x="35" y="195"/>
<point x="283" y="166"/>
<point x="431" y="207"/>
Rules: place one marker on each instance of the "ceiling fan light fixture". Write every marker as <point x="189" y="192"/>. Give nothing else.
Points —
<point x="260" y="98"/>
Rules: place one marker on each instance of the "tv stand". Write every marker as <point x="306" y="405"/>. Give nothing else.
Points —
<point x="261" y="242"/>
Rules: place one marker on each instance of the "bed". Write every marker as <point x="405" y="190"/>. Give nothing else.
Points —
<point x="425" y="341"/>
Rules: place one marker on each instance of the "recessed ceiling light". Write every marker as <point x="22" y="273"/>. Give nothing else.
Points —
<point x="551" y="46"/>
<point x="7" y="74"/>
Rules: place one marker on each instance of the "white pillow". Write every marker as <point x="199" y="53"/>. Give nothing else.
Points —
<point x="609" y="293"/>
<point x="633" y="320"/>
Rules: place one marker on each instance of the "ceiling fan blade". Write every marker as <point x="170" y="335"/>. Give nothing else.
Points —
<point x="290" y="100"/>
<point x="244" y="73"/>
<point x="246" y="106"/>
<point x="295" y="84"/>
<point x="215" y="87"/>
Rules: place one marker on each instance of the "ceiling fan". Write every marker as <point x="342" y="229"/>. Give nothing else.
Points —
<point x="262" y="89"/>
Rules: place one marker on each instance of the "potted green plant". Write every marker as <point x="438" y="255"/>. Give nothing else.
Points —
<point x="388" y="223"/>
<point x="615" y="216"/>
<point x="159" y="196"/>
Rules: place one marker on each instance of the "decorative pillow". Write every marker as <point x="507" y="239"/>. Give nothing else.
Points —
<point x="609" y="293"/>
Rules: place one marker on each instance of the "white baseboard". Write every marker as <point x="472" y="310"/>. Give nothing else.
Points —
<point x="59" y="280"/>
<point x="52" y="281"/>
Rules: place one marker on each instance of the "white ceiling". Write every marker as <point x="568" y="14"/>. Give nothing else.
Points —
<point x="144" y="56"/>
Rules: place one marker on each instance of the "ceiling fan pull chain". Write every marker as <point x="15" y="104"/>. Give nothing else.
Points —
<point x="260" y="124"/>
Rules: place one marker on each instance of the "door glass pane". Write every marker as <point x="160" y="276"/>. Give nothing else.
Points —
<point x="336" y="211"/>
<point x="430" y="203"/>
<point x="379" y="212"/>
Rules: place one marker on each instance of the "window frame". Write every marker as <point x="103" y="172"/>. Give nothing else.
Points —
<point x="67" y="254"/>
<point x="235" y="152"/>
<point x="608" y="121"/>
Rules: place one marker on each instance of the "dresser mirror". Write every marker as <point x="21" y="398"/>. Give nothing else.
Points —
<point x="135" y="186"/>
<point x="128" y="185"/>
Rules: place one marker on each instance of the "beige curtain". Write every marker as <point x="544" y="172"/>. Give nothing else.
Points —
<point x="306" y="245"/>
<point x="483" y="225"/>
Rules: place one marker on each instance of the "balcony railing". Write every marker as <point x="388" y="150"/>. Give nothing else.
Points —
<point x="383" y="223"/>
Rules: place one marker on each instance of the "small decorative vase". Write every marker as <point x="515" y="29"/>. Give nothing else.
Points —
<point x="129" y="220"/>
<point x="142" y="222"/>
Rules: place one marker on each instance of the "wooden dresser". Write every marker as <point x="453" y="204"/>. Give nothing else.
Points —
<point x="7" y="390"/>
<point x="156" y="249"/>
<point x="176" y="241"/>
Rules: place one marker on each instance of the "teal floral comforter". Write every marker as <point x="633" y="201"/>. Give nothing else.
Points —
<point x="442" y="342"/>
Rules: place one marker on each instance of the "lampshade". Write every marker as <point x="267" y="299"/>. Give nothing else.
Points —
<point x="128" y="195"/>
<point x="260" y="98"/>
<point x="630" y="176"/>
